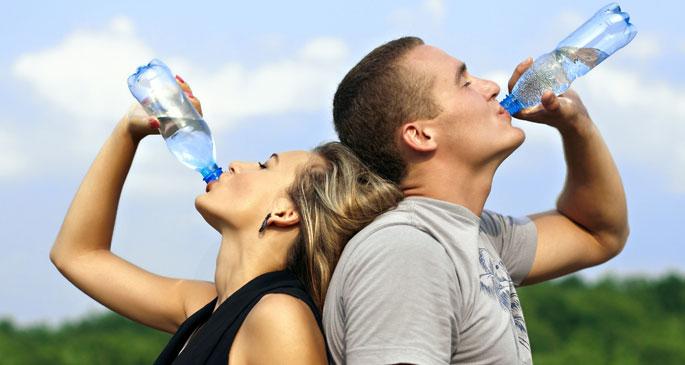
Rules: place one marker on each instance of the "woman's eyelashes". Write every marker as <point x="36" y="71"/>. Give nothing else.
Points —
<point x="263" y="165"/>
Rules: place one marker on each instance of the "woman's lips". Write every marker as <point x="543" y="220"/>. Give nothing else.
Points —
<point x="209" y="186"/>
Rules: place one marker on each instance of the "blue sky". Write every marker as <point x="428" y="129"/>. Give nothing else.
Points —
<point x="266" y="72"/>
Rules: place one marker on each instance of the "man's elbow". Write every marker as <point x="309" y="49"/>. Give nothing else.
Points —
<point x="56" y="257"/>
<point x="614" y="243"/>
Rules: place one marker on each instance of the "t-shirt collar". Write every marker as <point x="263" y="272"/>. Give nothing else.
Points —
<point x="455" y="209"/>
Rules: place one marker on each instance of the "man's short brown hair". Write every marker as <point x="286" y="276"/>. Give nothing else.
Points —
<point x="374" y="99"/>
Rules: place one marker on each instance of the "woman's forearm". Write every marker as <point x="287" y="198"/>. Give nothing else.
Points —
<point x="89" y="222"/>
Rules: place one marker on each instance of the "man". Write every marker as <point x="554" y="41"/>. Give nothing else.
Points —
<point x="433" y="281"/>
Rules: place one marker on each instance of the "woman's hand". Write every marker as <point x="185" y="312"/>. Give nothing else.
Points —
<point x="138" y="123"/>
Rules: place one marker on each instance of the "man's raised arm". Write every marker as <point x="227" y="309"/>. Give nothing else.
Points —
<point x="590" y="223"/>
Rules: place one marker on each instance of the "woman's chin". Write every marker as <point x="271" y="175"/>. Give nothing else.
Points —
<point x="199" y="203"/>
<point x="201" y="207"/>
<point x="210" y="217"/>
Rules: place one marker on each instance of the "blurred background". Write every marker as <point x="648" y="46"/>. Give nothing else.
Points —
<point x="265" y="73"/>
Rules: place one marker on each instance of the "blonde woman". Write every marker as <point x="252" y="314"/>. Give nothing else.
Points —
<point x="283" y="223"/>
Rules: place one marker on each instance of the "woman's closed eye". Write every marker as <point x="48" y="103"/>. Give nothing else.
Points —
<point x="262" y="165"/>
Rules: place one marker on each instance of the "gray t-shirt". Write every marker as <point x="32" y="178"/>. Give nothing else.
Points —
<point x="431" y="283"/>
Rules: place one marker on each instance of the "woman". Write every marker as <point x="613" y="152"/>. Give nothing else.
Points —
<point x="283" y="225"/>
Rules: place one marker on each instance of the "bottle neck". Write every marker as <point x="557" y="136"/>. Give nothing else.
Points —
<point x="211" y="173"/>
<point x="511" y="104"/>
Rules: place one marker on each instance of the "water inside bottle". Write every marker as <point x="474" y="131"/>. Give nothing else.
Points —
<point x="578" y="61"/>
<point x="555" y="71"/>
<point x="189" y="140"/>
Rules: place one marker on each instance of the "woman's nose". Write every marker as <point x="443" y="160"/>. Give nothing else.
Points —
<point x="237" y="167"/>
<point x="234" y="167"/>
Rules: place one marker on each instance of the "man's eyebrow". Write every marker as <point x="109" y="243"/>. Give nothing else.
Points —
<point x="460" y="71"/>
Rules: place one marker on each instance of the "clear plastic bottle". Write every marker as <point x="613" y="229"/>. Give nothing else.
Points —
<point x="605" y="33"/>
<point x="186" y="134"/>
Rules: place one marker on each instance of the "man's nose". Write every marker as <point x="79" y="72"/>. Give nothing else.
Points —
<point x="490" y="89"/>
<point x="493" y="89"/>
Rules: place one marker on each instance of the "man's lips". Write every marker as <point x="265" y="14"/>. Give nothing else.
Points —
<point x="503" y="112"/>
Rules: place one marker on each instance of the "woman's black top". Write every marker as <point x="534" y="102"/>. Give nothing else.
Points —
<point x="212" y="343"/>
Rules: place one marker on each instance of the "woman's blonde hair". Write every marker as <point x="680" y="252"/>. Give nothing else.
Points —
<point x="335" y="199"/>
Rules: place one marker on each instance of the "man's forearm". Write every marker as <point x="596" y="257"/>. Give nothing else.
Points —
<point x="593" y="194"/>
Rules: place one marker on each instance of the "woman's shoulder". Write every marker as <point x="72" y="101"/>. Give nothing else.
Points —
<point x="281" y="307"/>
<point x="282" y="327"/>
<point x="283" y="315"/>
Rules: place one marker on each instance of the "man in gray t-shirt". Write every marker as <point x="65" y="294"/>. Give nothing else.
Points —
<point x="399" y="293"/>
<point x="433" y="281"/>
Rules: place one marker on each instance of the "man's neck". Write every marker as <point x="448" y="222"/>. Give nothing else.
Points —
<point x="465" y="187"/>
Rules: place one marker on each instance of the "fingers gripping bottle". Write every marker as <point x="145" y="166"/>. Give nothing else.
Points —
<point x="605" y="33"/>
<point x="186" y="134"/>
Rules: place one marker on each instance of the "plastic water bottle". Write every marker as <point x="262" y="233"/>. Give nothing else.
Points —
<point x="186" y="134"/>
<point x="602" y="35"/>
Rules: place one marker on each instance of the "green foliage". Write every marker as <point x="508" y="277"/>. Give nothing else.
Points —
<point x="96" y="339"/>
<point x="611" y="321"/>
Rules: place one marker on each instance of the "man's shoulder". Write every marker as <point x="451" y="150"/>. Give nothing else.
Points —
<point x="392" y="235"/>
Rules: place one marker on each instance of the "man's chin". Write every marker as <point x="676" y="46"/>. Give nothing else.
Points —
<point x="515" y="143"/>
<point x="522" y="137"/>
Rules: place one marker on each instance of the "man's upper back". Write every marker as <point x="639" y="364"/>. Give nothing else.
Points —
<point x="428" y="283"/>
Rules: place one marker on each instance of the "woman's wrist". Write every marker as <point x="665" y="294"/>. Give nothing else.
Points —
<point x="123" y="130"/>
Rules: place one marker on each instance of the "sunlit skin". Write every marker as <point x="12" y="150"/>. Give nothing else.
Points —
<point x="237" y="204"/>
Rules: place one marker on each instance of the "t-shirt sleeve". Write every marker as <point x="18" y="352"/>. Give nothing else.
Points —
<point x="514" y="239"/>
<point x="400" y="300"/>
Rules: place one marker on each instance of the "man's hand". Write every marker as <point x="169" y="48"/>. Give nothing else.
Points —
<point x="563" y="112"/>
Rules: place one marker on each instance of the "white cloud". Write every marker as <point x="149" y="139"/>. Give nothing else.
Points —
<point x="304" y="81"/>
<point x="644" y="47"/>
<point x="436" y="8"/>
<point x="83" y="78"/>
<point x="431" y="11"/>
<point x="85" y="75"/>
<point x="643" y="118"/>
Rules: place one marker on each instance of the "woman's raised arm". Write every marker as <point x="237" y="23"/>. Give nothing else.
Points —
<point x="82" y="253"/>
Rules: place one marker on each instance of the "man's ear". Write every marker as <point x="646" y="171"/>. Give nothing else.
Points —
<point x="284" y="214"/>
<point x="419" y="136"/>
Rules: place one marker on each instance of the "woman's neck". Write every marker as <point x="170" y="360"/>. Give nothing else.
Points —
<point x="239" y="261"/>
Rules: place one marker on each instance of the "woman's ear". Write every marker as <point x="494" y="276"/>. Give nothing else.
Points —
<point x="419" y="136"/>
<point x="284" y="214"/>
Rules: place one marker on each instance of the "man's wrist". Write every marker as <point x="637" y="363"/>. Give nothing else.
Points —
<point x="583" y="126"/>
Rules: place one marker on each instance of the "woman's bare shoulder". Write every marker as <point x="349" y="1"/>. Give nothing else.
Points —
<point x="282" y="328"/>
